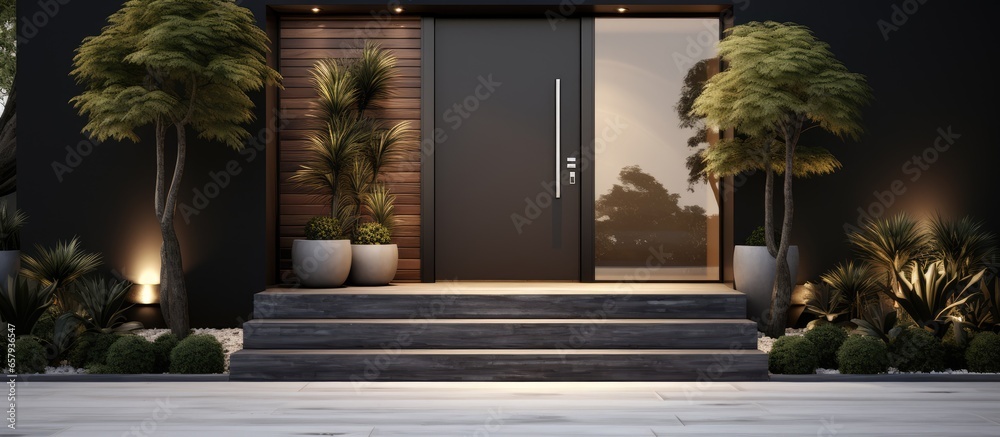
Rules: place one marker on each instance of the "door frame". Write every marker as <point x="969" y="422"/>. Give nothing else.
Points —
<point x="587" y="138"/>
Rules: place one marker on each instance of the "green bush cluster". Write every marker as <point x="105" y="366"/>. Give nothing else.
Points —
<point x="324" y="228"/>
<point x="198" y="354"/>
<point x="983" y="354"/>
<point x="29" y="355"/>
<point x="97" y="352"/>
<point x="863" y="355"/>
<point x="163" y="346"/>
<point x="131" y="354"/>
<point x="793" y="355"/>
<point x="954" y="353"/>
<point x="827" y="338"/>
<point x="916" y="350"/>
<point x="372" y="233"/>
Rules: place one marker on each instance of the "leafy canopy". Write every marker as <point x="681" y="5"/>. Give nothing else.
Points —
<point x="183" y="63"/>
<point x="779" y="73"/>
<point x="8" y="46"/>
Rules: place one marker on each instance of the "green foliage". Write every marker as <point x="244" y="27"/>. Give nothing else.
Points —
<point x="103" y="302"/>
<point x="8" y="46"/>
<point x="324" y="228"/>
<point x="100" y="369"/>
<point x="928" y="293"/>
<point x="878" y="323"/>
<point x="198" y="354"/>
<point x="65" y="333"/>
<point x="964" y="246"/>
<point x="756" y="237"/>
<point x="954" y="353"/>
<point x="983" y="354"/>
<point x="889" y="244"/>
<point x="46" y="324"/>
<point x="60" y="266"/>
<point x="732" y="156"/>
<point x="863" y="355"/>
<point x="982" y="310"/>
<point x="162" y="347"/>
<point x="11" y="223"/>
<point x="380" y="204"/>
<point x="131" y="354"/>
<point x="372" y="233"/>
<point x="29" y="354"/>
<point x="825" y="301"/>
<point x="99" y="345"/>
<point x="827" y="339"/>
<point x="23" y="302"/>
<point x="916" y="350"/>
<point x="858" y="284"/>
<point x="794" y="355"/>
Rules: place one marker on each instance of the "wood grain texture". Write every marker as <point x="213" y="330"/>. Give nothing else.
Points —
<point x="306" y="40"/>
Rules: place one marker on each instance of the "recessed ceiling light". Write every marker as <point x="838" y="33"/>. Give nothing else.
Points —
<point x="316" y="10"/>
<point x="623" y="10"/>
<point x="398" y="10"/>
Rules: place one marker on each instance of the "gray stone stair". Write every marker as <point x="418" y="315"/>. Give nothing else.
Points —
<point x="501" y="332"/>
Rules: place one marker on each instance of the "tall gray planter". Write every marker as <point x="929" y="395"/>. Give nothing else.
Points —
<point x="321" y="263"/>
<point x="10" y="263"/>
<point x="753" y="272"/>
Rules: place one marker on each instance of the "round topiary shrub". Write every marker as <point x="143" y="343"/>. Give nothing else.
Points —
<point x="198" y="354"/>
<point x="29" y="355"/>
<point x="954" y="353"/>
<point x="794" y="355"/>
<point x="862" y="355"/>
<point x="827" y="339"/>
<point x="324" y="228"/>
<point x="983" y="354"/>
<point x="372" y="233"/>
<point x="163" y="346"/>
<point x="916" y="350"/>
<point x="131" y="354"/>
<point x="98" y="348"/>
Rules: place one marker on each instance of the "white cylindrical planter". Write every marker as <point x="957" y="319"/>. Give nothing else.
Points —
<point x="373" y="264"/>
<point x="321" y="263"/>
<point x="10" y="263"/>
<point x="753" y="272"/>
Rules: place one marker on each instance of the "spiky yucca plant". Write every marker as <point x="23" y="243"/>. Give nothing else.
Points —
<point x="964" y="245"/>
<point x="858" y="283"/>
<point x="22" y="303"/>
<point x="781" y="81"/>
<point x="103" y="303"/>
<point x="11" y="223"/>
<point x="59" y="267"/>
<point x="888" y="244"/>
<point x="825" y="301"/>
<point x="876" y="322"/>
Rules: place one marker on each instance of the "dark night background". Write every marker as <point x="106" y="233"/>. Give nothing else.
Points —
<point x="930" y="74"/>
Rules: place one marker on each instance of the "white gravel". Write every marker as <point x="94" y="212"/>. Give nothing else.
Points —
<point x="64" y="370"/>
<point x="765" y="343"/>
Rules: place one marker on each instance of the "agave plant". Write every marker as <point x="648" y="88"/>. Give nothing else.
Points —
<point x="59" y="267"/>
<point x="889" y="244"/>
<point x="982" y="311"/>
<point x="879" y="323"/>
<point x="928" y="293"/>
<point x="10" y="228"/>
<point x="825" y="301"/>
<point x="103" y="303"/>
<point x="858" y="283"/>
<point x="23" y="302"/>
<point x="965" y="246"/>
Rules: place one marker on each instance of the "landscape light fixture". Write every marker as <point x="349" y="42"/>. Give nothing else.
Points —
<point x="622" y="10"/>
<point x="398" y="9"/>
<point x="316" y="10"/>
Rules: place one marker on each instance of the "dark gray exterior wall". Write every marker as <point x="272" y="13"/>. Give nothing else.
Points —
<point x="928" y="75"/>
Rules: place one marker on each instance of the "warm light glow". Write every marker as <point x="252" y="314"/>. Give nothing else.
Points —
<point x="398" y="9"/>
<point x="146" y="294"/>
<point x="316" y="10"/>
<point x="623" y="10"/>
<point x="149" y="276"/>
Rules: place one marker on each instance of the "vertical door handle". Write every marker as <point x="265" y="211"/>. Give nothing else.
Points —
<point x="558" y="159"/>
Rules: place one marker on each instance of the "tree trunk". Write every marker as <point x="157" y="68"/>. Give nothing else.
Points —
<point x="8" y="144"/>
<point x="173" y="291"/>
<point x="781" y="295"/>
<point x="772" y="246"/>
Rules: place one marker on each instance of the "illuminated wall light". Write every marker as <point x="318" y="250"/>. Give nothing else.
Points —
<point x="398" y="10"/>
<point x="622" y="10"/>
<point x="144" y="294"/>
<point x="316" y="10"/>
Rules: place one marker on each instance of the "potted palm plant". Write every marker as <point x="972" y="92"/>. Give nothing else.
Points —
<point x="375" y="258"/>
<point x="10" y="241"/>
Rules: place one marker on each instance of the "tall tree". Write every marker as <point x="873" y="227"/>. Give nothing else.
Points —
<point x="781" y="81"/>
<point x="176" y="66"/>
<point x="8" y="97"/>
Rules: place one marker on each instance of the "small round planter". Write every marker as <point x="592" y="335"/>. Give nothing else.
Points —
<point x="321" y="263"/>
<point x="753" y="272"/>
<point x="373" y="264"/>
<point x="10" y="263"/>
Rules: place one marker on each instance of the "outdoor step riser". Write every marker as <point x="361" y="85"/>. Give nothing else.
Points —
<point x="472" y="335"/>
<point x="364" y="368"/>
<point x="471" y="306"/>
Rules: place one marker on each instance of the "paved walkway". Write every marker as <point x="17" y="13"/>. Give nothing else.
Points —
<point x="508" y="409"/>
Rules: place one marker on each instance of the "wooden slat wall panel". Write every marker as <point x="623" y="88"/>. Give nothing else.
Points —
<point x="307" y="40"/>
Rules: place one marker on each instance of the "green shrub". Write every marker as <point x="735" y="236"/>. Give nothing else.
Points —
<point x="29" y="354"/>
<point x="198" y="354"/>
<point x="97" y="353"/>
<point x="46" y="324"/>
<point x="916" y="350"/>
<point x="983" y="354"/>
<point x="163" y="346"/>
<point x="954" y="353"/>
<point x="324" y="228"/>
<point x="863" y="355"/>
<point x="827" y="339"/>
<point x="792" y="355"/>
<point x="131" y="354"/>
<point x="100" y="369"/>
<point x="757" y="237"/>
<point x="372" y="233"/>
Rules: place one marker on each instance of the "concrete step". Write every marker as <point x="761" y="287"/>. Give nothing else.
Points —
<point x="500" y="334"/>
<point x="473" y="301"/>
<point x="364" y="366"/>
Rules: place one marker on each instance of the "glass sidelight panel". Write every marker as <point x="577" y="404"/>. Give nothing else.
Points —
<point x="657" y="218"/>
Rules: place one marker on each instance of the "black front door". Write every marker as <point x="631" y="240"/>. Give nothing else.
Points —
<point x="506" y="204"/>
